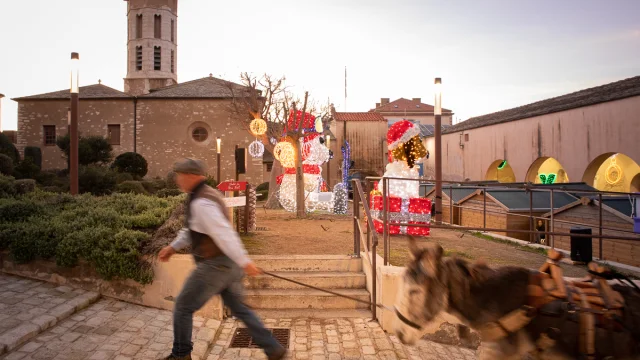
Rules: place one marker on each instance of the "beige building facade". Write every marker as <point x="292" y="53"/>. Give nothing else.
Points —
<point x="410" y="109"/>
<point x="591" y="136"/>
<point x="156" y="116"/>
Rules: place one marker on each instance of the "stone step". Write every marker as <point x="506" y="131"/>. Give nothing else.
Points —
<point x="325" y="280"/>
<point x="297" y="263"/>
<point x="305" y="299"/>
<point x="313" y="313"/>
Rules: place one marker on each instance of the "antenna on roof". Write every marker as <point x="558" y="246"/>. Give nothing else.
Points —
<point x="345" y="89"/>
<point x="210" y="75"/>
<point x="99" y="81"/>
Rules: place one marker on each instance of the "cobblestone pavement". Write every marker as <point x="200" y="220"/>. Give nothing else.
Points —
<point x="28" y="307"/>
<point x="38" y="322"/>
<point x="335" y="339"/>
<point x="111" y="329"/>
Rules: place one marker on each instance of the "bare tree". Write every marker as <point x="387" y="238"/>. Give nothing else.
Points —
<point x="268" y="98"/>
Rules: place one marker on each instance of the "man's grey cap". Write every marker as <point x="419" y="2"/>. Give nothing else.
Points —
<point x="190" y="166"/>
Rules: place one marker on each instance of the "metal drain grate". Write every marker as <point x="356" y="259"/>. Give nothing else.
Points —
<point x="242" y="339"/>
<point x="261" y="228"/>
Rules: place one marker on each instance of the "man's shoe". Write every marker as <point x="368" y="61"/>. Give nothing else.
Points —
<point x="173" y="357"/>
<point x="279" y="354"/>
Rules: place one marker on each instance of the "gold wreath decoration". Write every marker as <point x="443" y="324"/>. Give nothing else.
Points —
<point x="613" y="174"/>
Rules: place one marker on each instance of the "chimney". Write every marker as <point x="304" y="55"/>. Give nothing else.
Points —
<point x="417" y="99"/>
<point x="377" y="105"/>
<point x="384" y="101"/>
<point x="1" y="96"/>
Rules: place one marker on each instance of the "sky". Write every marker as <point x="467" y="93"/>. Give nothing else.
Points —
<point x="491" y="54"/>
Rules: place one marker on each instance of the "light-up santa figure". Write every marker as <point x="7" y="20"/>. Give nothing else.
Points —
<point x="314" y="154"/>
<point x="405" y="205"/>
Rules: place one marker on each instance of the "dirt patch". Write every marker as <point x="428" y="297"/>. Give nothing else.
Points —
<point x="333" y="234"/>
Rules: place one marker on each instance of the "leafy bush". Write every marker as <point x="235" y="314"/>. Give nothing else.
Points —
<point x="35" y="154"/>
<point x="211" y="181"/>
<point x="25" y="186"/>
<point x="131" y="163"/>
<point x="91" y="149"/>
<point x="171" y="180"/>
<point x="14" y="210"/>
<point x="134" y="187"/>
<point x="97" y="180"/>
<point x="26" y="169"/>
<point x="122" y="177"/>
<point x="7" y="148"/>
<point x="163" y="193"/>
<point x="6" y="165"/>
<point x="263" y="186"/>
<point x="264" y="195"/>
<point x="7" y="186"/>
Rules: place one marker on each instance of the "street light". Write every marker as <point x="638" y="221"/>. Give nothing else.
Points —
<point x="73" y="150"/>
<point x="437" y="112"/>
<point x="218" y="140"/>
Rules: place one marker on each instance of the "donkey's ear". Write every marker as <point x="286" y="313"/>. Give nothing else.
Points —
<point x="413" y="246"/>
<point x="439" y="251"/>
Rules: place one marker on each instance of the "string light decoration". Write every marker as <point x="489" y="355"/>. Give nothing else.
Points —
<point x="411" y="151"/>
<point x="258" y="127"/>
<point x="346" y="161"/>
<point x="285" y="153"/>
<point x="273" y="141"/>
<point x="405" y="205"/>
<point x="613" y="174"/>
<point x="502" y="164"/>
<point x="256" y="149"/>
<point x="340" y="199"/>
<point x="547" y="178"/>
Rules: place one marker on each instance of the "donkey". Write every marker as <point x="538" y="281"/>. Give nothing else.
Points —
<point x="479" y="295"/>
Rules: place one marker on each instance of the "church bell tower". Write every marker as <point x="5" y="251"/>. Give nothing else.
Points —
<point x="152" y="55"/>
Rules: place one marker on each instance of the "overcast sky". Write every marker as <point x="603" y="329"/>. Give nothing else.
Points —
<point x="491" y="54"/>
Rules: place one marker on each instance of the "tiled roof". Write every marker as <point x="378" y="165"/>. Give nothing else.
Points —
<point x="358" y="116"/>
<point x="403" y="105"/>
<point x="609" y="92"/>
<point x="204" y="88"/>
<point x="429" y="130"/>
<point x="518" y="199"/>
<point x="96" y="91"/>
<point x="620" y="204"/>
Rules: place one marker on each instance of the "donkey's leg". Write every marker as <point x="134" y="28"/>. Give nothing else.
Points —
<point x="513" y="348"/>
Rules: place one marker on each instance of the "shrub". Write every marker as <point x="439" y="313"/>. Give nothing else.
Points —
<point x="26" y="169"/>
<point x="131" y="163"/>
<point x="264" y="195"/>
<point x="7" y="148"/>
<point x="134" y="187"/>
<point x="211" y="181"/>
<point x="168" y="193"/>
<point x="263" y="186"/>
<point x="35" y="154"/>
<point x="47" y="178"/>
<point x="122" y="177"/>
<point x="171" y="180"/>
<point x="150" y="186"/>
<point x="25" y="186"/>
<point x="6" y="165"/>
<point x="7" y="187"/>
<point x="96" y="180"/>
<point x="91" y="149"/>
<point x="19" y="210"/>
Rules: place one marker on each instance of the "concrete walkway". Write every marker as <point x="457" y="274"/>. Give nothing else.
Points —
<point x="78" y="328"/>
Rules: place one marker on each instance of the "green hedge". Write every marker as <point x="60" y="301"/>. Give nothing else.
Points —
<point x="6" y="165"/>
<point x="108" y="232"/>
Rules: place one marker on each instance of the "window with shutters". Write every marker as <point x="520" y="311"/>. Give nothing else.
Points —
<point x="139" y="26"/>
<point x="157" y="57"/>
<point x="49" y="132"/>
<point x="138" y="57"/>
<point x="173" y="33"/>
<point x="466" y="137"/>
<point x="269" y="167"/>
<point x="113" y="134"/>
<point x="157" y="26"/>
<point x="173" y="64"/>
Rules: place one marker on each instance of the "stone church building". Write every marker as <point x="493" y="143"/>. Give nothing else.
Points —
<point x="156" y="116"/>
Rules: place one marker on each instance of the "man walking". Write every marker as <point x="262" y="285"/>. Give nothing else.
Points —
<point x="221" y="262"/>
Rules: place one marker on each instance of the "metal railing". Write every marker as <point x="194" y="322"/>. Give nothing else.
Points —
<point x="363" y="198"/>
<point x="359" y="199"/>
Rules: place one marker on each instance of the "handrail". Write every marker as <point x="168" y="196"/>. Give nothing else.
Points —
<point x="367" y="211"/>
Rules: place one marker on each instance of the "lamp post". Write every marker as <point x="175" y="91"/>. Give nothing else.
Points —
<point x="438" y="144"/>
<point x="73" y="150"/>
<point x="218" y="140"/>
<point x="69" y="134"/>
<point x="329" y="163"/>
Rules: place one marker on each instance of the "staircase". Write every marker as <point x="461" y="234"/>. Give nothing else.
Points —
<point x="270" y="296"/>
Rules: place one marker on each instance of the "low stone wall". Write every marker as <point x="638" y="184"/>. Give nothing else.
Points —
<point x="168" y="280"/>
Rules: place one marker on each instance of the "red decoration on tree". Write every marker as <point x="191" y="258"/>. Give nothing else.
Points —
<point x="309" y="121"/>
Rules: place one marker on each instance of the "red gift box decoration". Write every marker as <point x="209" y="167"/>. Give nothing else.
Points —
<point x="418" y="211"/>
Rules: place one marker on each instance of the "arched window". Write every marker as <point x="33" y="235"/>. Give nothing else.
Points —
<point x="157" y="26"/>
<point x="138" y="26"/>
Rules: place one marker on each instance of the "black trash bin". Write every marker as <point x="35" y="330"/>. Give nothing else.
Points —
<point x="433" y="209"/>
<point x="581" y="247"/>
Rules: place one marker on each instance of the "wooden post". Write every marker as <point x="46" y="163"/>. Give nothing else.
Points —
<point x="531" y="235"/>
<point x="550" y="237"/>
<point x="484" y="208"/>
<point x="600" y="227"/>
<point x="450" y="204"/>
<point x="356" y="219"/>
<point x="385" y="216"/>
<point x="235" y="193"/>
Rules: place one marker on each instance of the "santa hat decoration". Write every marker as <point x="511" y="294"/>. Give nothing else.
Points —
<point x="309" y="122"/>
<point x="400" y="133"/>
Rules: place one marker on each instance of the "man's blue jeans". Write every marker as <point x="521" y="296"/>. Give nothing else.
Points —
<point x="212" y="277"/>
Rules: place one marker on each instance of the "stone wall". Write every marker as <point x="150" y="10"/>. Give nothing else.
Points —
<point x="164" y="131"/>
<point x="93" y="118"/>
